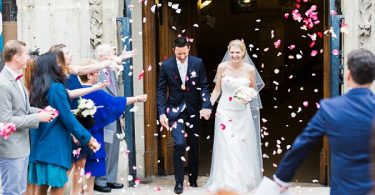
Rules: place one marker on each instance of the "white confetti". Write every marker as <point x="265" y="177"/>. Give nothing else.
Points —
<point x="293" y="114"/>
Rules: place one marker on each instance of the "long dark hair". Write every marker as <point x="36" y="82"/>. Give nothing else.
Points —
<point x="46" y="71"/>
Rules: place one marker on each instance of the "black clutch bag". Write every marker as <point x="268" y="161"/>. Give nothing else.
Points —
<point x="87" y="121"/>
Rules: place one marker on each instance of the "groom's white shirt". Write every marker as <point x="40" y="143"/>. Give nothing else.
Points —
<point x="182" y="69"/>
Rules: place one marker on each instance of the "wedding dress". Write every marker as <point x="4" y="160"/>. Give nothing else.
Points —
<point x="236" y="163"/>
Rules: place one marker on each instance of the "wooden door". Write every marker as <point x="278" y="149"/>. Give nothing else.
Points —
<point x="171" y="24"/>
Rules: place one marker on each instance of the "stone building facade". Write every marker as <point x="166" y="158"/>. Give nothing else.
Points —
<point x="83" y="24"/>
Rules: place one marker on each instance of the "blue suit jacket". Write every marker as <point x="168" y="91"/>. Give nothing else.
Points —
<point x="347" y="121"/>
<point x="111" y="109"/>
<point x="51" y="142"/>
<point x="196" y="94"/>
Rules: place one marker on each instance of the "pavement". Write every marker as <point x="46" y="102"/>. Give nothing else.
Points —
<point x="164" y="186"/>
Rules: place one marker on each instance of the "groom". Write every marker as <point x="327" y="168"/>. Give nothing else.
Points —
<point x="184" y="79"/>
<point x="347" y="122"/>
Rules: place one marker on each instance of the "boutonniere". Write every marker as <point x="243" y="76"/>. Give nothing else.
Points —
<point x="193" y="74"/>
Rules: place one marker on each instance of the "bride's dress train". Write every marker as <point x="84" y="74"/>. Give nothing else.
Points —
<point x="236" y="163"/>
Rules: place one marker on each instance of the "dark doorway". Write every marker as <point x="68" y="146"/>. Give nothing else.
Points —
<point x="294" y="85"/>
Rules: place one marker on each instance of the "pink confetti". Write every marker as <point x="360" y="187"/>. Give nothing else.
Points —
<point x="305" y="103"/>
<point x="286" y="15"/>
<point x="222" y="126"/>
<point x="277" y="43"/>
<point x="313" y="53"/>
<point x="6" y="129"/>
<point x="230" y="99"/>
<point x="335" y="52"/>
<point x="291" y="47"/>
<point x="317" y="105"/>
<point x="140" y="76"/>
<point x="312" y="44"/>
<point x="137" y="181"/>
<point x="149" y="68"/>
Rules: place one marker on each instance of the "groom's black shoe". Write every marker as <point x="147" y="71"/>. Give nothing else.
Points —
<point x="114" y="185"/>
<point x="178" y="188"/>
<point x="193" y="184"/>
<point x="105" y="189"/>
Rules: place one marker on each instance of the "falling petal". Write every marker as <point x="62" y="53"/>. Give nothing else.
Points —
<point x="305" y="103"/>
<point x="291" y="47"/>
<point x="140" y="76"/>
<point x="335" y="52"/>
<point x="286" y="15"/>
<point x="314" y="53"/>
<point x="277" y="43"/>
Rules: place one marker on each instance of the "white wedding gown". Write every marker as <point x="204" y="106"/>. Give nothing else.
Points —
<point x="236" y="163"/>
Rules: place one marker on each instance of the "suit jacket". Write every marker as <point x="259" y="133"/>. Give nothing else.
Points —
<point x="14" y="110"/>
<point x="195" y="94"/>
<point x="112" y="89"/>
<point x="112" y="109"/>
<point x="347" y="121"/>
<point x="51" y="142"/>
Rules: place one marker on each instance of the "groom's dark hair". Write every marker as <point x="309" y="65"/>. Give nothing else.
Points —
<point x="361" y="63"/>
<point x="180" y="42"/>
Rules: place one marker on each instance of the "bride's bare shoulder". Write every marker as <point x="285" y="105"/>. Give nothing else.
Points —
<point x="223" y="65"/>
<point x="249" y="67"/>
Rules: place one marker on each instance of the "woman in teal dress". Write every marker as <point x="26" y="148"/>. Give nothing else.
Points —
<point x="51" y="146"/>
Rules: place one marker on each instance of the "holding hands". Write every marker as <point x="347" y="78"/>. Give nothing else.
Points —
<point x="205" y="113"/>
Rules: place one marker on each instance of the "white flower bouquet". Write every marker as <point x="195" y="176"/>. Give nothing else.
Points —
<point x="86" y="107"/>
<point x="245" y="94"/>
<point x="85" y="112"/>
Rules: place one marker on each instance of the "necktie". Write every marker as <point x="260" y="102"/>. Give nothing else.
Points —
<point x="19" y="77"/>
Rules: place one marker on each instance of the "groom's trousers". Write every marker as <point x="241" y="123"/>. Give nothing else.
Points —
<point x="185" y="134"/>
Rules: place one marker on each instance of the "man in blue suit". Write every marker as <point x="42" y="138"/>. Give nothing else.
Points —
<point x="347" y="122"/>
<point x="184" y="78"/>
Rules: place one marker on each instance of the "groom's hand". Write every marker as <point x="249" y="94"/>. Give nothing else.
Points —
<point x="163" y="119"/>
<point x="205" y="113"/>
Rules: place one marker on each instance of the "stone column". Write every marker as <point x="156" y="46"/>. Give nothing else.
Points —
<point x="359" y="17"/>
<point x="138" y="86"/>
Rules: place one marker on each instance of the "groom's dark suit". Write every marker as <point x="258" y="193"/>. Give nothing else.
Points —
<point x="195" y="95"/>
<point x="347" y="121"/>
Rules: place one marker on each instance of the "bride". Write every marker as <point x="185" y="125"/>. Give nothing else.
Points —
<point x="236" y="160"/>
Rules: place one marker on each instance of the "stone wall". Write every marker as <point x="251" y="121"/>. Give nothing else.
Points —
<point x="78" y="24"/>
<point x="359" y="15"/>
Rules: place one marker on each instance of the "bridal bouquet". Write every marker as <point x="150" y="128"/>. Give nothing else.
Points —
<point x="85" y="112"/>
<point x="6" y="129"/>
<point x="245" y="94"/>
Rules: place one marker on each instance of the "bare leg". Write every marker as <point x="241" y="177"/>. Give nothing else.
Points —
<point x="30" y="189"/>
<point x="77" y="178"/>
<point x="90" y="186"/>
<point x="57" y="191"/>
<point x="41" y="190"/>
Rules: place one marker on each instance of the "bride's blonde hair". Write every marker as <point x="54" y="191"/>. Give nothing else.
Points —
<point x="239" y="44"/>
